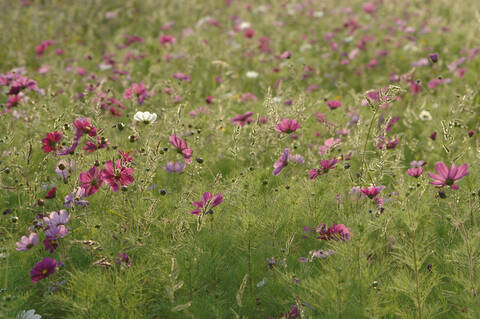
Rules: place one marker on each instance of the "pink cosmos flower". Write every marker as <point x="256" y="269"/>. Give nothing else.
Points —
<point x="448" y="176"/>
<point x="371" y="191"/>
<point x="243" y="119"/>
<point x="336" y="232"/>
<point x="326" y="165"/>
<point x="84" y="126"/>
<point x="182" y="148"/>
<point x="91" y="180"/>
<point x="39" y="49"/>
<point x="287" y="126"/>
<point x="26" y="243"/>
<point x="415" y="171"/>
<point x="137" y="90"/>
<point x="166" y="39"/>
<point x="43" y="269"/>
<point x="182" y="77"/>
<point x="329" y="143"/>
<point x="51" y="142"/>
<point x="206" y="204"/>
<point x="118" y="175"/>
<point x="334" y="104"/>
<point x="65" y="168"/>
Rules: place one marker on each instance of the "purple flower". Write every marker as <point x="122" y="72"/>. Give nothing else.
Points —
<point x="65" y="168"/>
<point x="43" y="269"/>
<point x="284" y="159"/>
<point x="242" y="119"/>
<point x="174" y="167"/>
<point x="74" y="198"/>
<point x="448" y="176"/>
<point x="207" y="203"/>
<point x="26" y="243"/>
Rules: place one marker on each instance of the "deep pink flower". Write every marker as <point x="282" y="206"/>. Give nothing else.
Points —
<point x="167" y="39"/>
<point x="51" y="193"/>
<point x="13" y="100"/>
<point x="371" y="191"/>
<point x="207" y="203"/>
<point x="138" y="91"/>
<point x="117" y="176"/>
<point x="26" y="243"/>
<point x="242" y="119"/>
<point x="448" y="176"/>
<point x="287" y="126"/>
<point x="91" y="180"/>
<point x="336" y="232"/>
<point x="84" y="126"/>
<point x="51" y="142"/>
<point x="326" y="165"/>
<point x="182" y="77"/>
<point x="286" y="55"/>
<point x="182" y="148"/>
<point x="334" y="104"/>
<point x="39" y="49"/>
<point x="43" y="269"/>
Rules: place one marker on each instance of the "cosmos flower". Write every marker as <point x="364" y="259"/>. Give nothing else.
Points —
<point x="91" y="180"/>
<point x="284" y="159"/>
<point x="145" y="117"/>
<point x="51" y="142"/>
<point x="326" y="165"/>
<point x="334" y="104"/>
<point x="182" y="148"/>
<point x="65" y="168"/>
<point x="118" y="175"/>
<point x="138" y="91"/>
<point x="372" y="191"/>
<point x="242" y="119"/>
<point x="26" y="243"/>
<point x="415" y="171"/>
<point x="336" y="232"/>
<point x="174" y="167"/>
<point x="43" y="269"/>
<point x="251" y="74"/>
<point x="75" y="198"/>
<point x="207" y="203"/>
<point x="448" y="176"/>
<point x="287" y="126"/>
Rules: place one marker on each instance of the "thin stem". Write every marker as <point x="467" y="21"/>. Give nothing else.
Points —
<point x="366" y="140"/>
<point x="417" y="290"/>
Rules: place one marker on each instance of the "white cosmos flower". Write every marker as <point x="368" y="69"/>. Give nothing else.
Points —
<point x="30" y="314"/>
<point x="145" y="117"/>
<point x="244" y="25"/>
<point x="425" y="115"/>
<point x="252" y="74"/>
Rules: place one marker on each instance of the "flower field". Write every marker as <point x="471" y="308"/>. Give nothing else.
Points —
<point x="239" y="159"/>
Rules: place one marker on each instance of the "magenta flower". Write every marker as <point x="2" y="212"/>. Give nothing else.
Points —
<point x="207" y="203"/>
<point x="448" y="176"/>
<point x="287" y="126"/>
<point x="137" y="90"/>
<point x="415" y="171"/>
<point x="326" y="166"/>
<point x="84" y="126"/>
<point x="334" y="104"/>
<point x="243" y="119"/>
<point x="43" y="269"/>
<point x="26" y="243"/>
<point x="336" y="232"/>
<point x="371" y="191"/>
<point x="51" y="142"/>
<point x="174" y="167"/>
<point x="182" y="148"/>
<point x="181" y="76"/>
<point x="91" y="180"/>
<point x="118" y="175"/>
